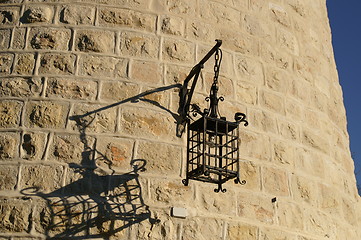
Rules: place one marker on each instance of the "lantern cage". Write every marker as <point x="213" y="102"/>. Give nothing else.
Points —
<point x="212" y="141"/>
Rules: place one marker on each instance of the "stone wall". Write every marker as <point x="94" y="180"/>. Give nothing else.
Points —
<point x="88" y="111"/>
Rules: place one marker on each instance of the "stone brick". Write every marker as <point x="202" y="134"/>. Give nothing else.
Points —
<point x="172" y="25"/>
<point x="288" y="130"/>
<point x="95" y="41"/>
<point x="171" y="193"/>
<point x="71" y="89"/>
<point x="330" y="200"/>
<point x="24" y="64"/>
<point x="255" y="145"/>
<point x="20" y="87"/>
<point x="349" y="213"/>
<point x="275" y="181"/>
<point x="73" y="149"/>
<point x="287" y="213"/>
<point x="5" y="38"/>
<point x="273" y="55"/>
<point x="314" y="140"/>
<point x="15" y="214"/>
<point x="319" y="223"/>
<point x="239" y="43"/>
<point x="177" y="74"/>
<point x="283" y="153"/>
<point x="202" y="228"/>
<point x="127" y="18"/>
<point x="99" y="66"/>
<point x="263" y="120"/>
<point x="153" y="124"/>
<point x="146" y="72"/>
<point x="249" y="70"/>
<point x="42" y="177"/>
<point x="77" y="15"/>
<point x="139" y="45"/>
<point x="268" y="234"/>
<point x="200" y="31"/>
<point x="304" y="189"/>
<point x="226" y="88"/>
<point x="49" y="38"/>
<point x="219" y="13"/>
<point x="310" y="162"/>
<point x="114" y="153"/>
<point x="279" y="15"/>
<point x="135" y="4"/>
<point x="6" y="62"/>
<point x="272" y="102"/>
<point x="10" y="113"/>
<point x="46" y="114"/>
<point x="57" y="64"/>
<point x="257" y="27"/>
<point x="287" y="41"/>
<point x="18" y="41"/>
<point x="160" y="158"/>
<point x="217" y="203"/>
<point x="301" y="89"/>
<point x="93" y="118"/>
<point x="9" y="143"/>
<point x="37" y="14"/>
<point x="250" y="172"/>
<point x="184" y="7"/>
<point x="255" y="207"/>
<point x="294" y="110"/>
<point x="33" y="145"/>
<point x="178" y="51"/>
<point x="304" y="68"/>
<point x="9" y="15"/>
<point x="277" y="80"/>
<point x="242" y="231"/>
<point x="8" y="177"/>
<point x="118" y="91"/>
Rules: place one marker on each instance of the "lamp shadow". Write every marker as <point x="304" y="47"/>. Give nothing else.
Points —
<point x="97" y="204"/>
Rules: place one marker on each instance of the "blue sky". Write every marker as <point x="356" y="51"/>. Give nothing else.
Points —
<point x="345" y="20"/>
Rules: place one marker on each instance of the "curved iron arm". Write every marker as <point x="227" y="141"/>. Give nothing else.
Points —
<point x="185" y="95"/>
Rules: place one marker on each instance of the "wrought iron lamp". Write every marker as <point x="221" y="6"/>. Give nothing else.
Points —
<point x="212" y="141"/>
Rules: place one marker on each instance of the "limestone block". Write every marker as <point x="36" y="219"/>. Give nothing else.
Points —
<point x="5" y="38"/>
<point x="257" y="27"/>
<point x="99" y="66"/>
<point x="10" y="113"/>
<point x="200" y="31"/>
<point x="71" y="89"/>
<point x="287" y="41"/>
<point x="268" y="233"/>
<point x="127" y="18"/>
<point x="255" y="207"/>
<point x="15" y="214"/>
<point x="255" y="145"/>
<point x="225" y="85"/>
<point x="146" y="72"/>
<point x="283" y="153"/>
<point x="262" y="120"/>
<point x="272" y="101"/>
<point x="279" y="15"/>
<point x="24" y="64"/>
<point x="330" y="200"/>
<point x="288" y="130"/>
<point x="172" y="25"/>
<point x="305" y="68"/>
<point x="139" y="45"/>
<point x="93" y="118"/>
<point x="242" y="231"/>
<point x="20" y="87"/>
<point x="49" y="38"/>
<point x="153" y="124"/>
<point x="52" y="63"/>
<point x="135" y="4"/>
<point x="301" y="89"/>
<point x="219" y="13"/>
<point x="181" y="7"/>
<point x="202" y="229"/>
<point x="275" y="181"/>
<point x="250" y="172"/>
<point x="9" y="143"/>
<point x="18" y="41"/>
<point x="277" y="57"/>
<point x="6" y="61"/>
<point x="349" y="213"/>
<point x="44" y="178"/>
<point x="277" y="80"/>
<point x="33" y="145"/>
<point x="95" y="41"/>
<point x="8" y="177"/>
<point x="238" y="42"/>
<point x="177" y="74"/>
<point x="178" y="51"/>
<point x="118" y="91"/>
<point x="171" y="193"/>
<point x="316" y="141"/>
<point x="114" y="153"/>
<point x="46" y="114"/>
<point x="319" y="223"/>
<point x="9" y="15"/>
<point x="72" y="149"/>
<point x="10" y="1"/>
<point x="246" y="93"/>
<point x="294" y="110"/>
<point x="304" y="189"/>
<point x="160" y="157"/>
<point x="77" y="15"/>
<point x="37" y="14"/>
<point x="249" y="70"/>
